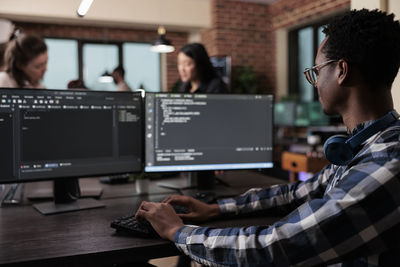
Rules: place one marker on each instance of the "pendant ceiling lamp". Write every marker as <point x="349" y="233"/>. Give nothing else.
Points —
<point x="162" y="44"/>
<point x="106" y="78"/>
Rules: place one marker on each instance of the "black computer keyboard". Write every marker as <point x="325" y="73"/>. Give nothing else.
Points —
<point x="129" y="224"/>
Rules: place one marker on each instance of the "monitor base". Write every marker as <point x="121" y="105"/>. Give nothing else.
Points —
<point x="79" y="204"/>
<point x="67" y="195"/>
<point x="45" y="191"/>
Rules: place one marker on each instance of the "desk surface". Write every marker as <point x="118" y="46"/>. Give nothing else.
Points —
<point x="84" y="238"/>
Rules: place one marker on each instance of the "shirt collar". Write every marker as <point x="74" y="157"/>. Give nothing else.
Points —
<point x="359" y="127"/>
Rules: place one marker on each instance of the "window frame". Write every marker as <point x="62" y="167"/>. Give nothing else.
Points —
<point x="293" y="55"/>
<point x="82" y="42"/>
<point x="119" y="44"/>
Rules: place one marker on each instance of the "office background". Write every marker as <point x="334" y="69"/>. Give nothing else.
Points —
<point x="270" y="41"/>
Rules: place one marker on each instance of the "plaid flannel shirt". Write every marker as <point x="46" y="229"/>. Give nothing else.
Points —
<point x="346" y="215"/>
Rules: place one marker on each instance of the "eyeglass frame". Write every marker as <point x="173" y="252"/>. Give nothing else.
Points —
<point x="316" y="69"/>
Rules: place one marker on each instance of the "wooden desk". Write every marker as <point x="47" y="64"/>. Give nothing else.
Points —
<point x="84" y="238"/>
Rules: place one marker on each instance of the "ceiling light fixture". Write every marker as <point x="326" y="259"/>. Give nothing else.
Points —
<point x="84" y="7"/>
<point x="106" y="78"/>
<point x="162" y="44"/>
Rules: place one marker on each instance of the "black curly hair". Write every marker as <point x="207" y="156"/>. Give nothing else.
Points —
<point x="368" y="40"/>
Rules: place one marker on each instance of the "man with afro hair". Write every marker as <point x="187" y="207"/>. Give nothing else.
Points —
<point x="348" y="214"/>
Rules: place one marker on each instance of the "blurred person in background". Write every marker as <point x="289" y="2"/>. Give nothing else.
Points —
<point x="118" y="75"/>
<point x="196" y="71"/>
<point x="25" y="62"/>
<point x="77" y="84"/>
<point x="6" y="33"/>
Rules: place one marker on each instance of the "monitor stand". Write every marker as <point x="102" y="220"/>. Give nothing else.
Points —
<point x="44" y="191"/>
<point x="66" y="198"/>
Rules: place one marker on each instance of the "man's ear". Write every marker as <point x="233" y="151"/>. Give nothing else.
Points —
<point x="343" y="71"/>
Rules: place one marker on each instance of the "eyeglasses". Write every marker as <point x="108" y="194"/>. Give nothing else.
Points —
<point x="313" y="72"/>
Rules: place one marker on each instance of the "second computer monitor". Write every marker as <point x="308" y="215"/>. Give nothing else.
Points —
<point x="193" y="132"/>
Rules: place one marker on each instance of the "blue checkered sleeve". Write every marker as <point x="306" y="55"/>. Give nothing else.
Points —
<point x="347" y="213"/>
<point x="279" y="198"/>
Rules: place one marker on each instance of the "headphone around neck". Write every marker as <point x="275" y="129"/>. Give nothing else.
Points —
<point x="340" y="149"/>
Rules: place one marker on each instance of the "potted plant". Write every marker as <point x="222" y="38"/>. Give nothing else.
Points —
<point x="244" y="80"/>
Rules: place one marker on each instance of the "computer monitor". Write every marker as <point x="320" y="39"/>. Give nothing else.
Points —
<point x="61" y="135"/>
<point x="299" y="114"/>
<point x="222" y="65"/>
<point x="285" y="113"/>
<point x="310" y="114"/>
<point x="205" y="132"/>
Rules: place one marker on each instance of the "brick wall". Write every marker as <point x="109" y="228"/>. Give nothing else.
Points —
<point x="241" y="30"/>
<point x="110" y="34"/>
<point x="287" y="13"/>
<point x="247" y="31"/>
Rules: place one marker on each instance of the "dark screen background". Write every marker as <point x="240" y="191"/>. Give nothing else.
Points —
<point x="70" y="134"/>
<point x="6" y="146"/>
<point x="128" y="144"/>
<point x="221" y="124"/>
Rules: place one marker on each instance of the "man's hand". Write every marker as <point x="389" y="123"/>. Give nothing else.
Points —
<point x="161" y="216"/>
<point x="198" y="211"/>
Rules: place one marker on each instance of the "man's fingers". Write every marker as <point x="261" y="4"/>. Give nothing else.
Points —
<point x="167" y="199"/>
<point x="178" y="200"/>
<point x="143" y="210"/>
<point x="140" y="215"/>
<point x="185" y="216"/>
<point x="141" y="205"/>
<point x="146" y="205"/>
<point x="171" y="198"/>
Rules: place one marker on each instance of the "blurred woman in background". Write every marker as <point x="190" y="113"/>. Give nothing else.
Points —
<point x="25" y="62"/>
<point x="196" y="71"/>
<point x="198" y="76"/>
